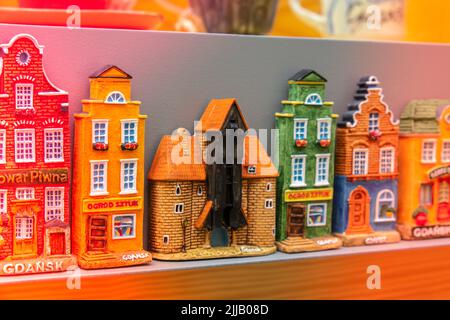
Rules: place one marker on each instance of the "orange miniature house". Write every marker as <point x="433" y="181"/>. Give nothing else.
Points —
<point x="202" y="208"/>
<point x="34" y="164"/>
<point x="365" y="186"/>
<point x="108" y="175"/>
<point x="424" y="159"/>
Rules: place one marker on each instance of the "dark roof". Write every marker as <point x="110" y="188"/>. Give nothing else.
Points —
<point x="302" y="74"/>
<point x="364" y="84"/>
<point x="119" y="74"/>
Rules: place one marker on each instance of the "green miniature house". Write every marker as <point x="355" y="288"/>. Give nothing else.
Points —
<point x="306" y="146"/>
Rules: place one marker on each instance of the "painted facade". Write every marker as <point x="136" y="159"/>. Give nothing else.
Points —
<point x="203" y="206"/>
<point x="306" y="149"/>
<point x="424" y="159"/>
<point x="34" y="164"/>
<point x="108" y="179"/>
<point x="365" y="192"/>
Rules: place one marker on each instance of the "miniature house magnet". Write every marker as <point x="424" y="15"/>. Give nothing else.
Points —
<point x="306" y="158"/>
<point x="208" y="205"/>
<point x="365" y="186"/>
<point x="34" y="164"/>
<point x="424" y="160"/>
<point x="108" y="179"/>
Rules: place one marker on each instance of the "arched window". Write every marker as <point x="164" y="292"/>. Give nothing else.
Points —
<point x="385" y="210"/>
<point x="444" y="192"/>
<point x="313" y="99"/>
<point x="177" y="190"/>
<point x="199" y="190"/>
<point x="115" y="97"/>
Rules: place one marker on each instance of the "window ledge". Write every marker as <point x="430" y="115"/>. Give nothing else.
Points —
<point x="98" y="194"/>
<point x="316" y="225"/>
<point x="123" y="238"/>
<point x="384" y="220"/>
<point x="53" y="161"/>
<point x="128" y="192"/>
<point x="322" y="184"/>
<point x="298" y="185"/>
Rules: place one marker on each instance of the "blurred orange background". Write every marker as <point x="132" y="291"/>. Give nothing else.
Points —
<point x="425" y="21"/>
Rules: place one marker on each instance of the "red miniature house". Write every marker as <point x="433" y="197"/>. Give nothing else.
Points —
<point x="34" y="163"/>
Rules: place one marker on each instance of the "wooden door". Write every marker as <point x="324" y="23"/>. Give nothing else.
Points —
<point x="97" y="233"/>
<point x="359" y="211"/>
<point x="25" y="236"/>
<point x="57" y="243"/>
<point x="296" y="220"/>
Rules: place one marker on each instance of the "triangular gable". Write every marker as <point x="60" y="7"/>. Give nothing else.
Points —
<point x="112" y="72"/>
<point x="216" y="113"/>
<point x="308" y="75"/>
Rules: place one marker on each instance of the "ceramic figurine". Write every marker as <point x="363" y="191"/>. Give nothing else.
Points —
<point x="424" y="160"/>
<point x="306" y="160"/>
<point x="34" y="164"/>
<point x="108" y="179"/>
<point x="365" y="185"/>
<point x="204" y="206"/>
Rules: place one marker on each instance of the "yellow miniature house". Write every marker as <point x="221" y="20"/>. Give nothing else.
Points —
<point x="108" y="179"/>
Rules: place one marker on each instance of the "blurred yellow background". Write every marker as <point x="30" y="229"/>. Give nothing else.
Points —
<point x="425" y="20"/>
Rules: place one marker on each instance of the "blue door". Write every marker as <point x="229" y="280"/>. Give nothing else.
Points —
<point x="219" y="237"/>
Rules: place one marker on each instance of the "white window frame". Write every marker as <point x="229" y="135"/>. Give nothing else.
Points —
<point x="178" y="205"/>
<point x="433" y="160"/>
<point x="374" y="122"/>
<point x="251" y="169"/>
<point x="324" y="222"/>
<point x="53" y="130"/>
<point x="443" y="158"/>
<point x="268" y="187"/>
<point x="31" y="191"/>
<point x="298" y="184"/>
<point x="60" y="207"/>
<point x="178" y="190"/>
<point x="378" y="207"/>
<point x="123" y="123"/>
<point x="122" y="182"/>
<point x="199" y="190"/>
<point x="24" y="85"/>
<point x="2" y="146"/>
<point x="327" y="182"/>
<point x="33" y="132"/>
<point x="4" y="206"/>
<point x="113" y="226"/>
<point x="421" y="195"/>
<point x="105" y="191"/>
<point x="300" y="121"/>
<point x="116" y="102"/>
<point x="100" y="121"/>
<point x="268" y="204"/>
<point x="309" y="96"/>
<point x="366" y="166"/>
<point x="328" y="122"/>
<point x="392" y="169"/>
<point x="25" y="231"/>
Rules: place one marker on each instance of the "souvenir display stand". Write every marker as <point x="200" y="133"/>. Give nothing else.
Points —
<point x="175" y="75"/>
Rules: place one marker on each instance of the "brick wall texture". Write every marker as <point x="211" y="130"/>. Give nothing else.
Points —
<point x="48" y="114"/>
<point x="348" y="139"/>
<point x="165" y="224"/>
